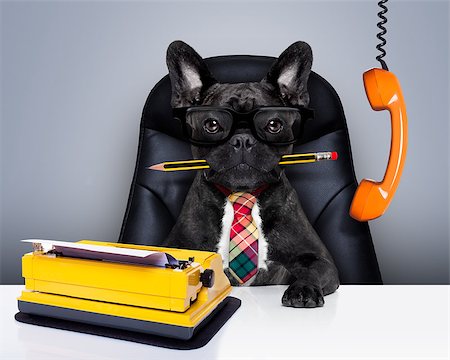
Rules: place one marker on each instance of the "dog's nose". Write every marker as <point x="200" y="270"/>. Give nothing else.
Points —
<point x="243" y="141"/>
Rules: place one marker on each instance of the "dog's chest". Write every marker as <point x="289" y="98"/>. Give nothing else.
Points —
<point x="224" y="242"/>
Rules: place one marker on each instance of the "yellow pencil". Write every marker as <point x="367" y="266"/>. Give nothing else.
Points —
<point x="285" y="160"/>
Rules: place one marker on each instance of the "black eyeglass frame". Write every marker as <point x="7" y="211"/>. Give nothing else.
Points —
<point x="239" y="118"/>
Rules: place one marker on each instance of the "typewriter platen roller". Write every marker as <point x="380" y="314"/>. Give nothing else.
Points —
<point x="162" y="291"/>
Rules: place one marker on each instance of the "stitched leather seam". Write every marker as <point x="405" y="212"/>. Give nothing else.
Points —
<point x="330" y="201"/>
<point x="158" y="198"/>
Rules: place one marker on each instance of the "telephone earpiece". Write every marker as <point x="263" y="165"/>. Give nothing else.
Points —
<point x="384" y="93"/>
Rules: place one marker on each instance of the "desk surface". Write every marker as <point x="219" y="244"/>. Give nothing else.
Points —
<point x="357" y="322"/>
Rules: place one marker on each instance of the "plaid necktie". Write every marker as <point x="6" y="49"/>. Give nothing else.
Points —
<point x="243" y="256"/>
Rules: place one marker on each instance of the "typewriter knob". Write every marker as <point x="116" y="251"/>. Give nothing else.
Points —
<point x="207" y="278"/>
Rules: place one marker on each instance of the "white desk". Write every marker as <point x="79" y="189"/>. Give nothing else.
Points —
<point x="357" y="322"/>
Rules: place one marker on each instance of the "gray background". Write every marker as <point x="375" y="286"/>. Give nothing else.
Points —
<point x="75" y="76"/>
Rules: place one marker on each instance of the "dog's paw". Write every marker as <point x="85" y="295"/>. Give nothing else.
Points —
<point x="301" y="295"/>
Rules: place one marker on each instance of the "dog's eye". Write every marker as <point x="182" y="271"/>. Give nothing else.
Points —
<point x="274" y="126"/>
<point x="211" y="126"/>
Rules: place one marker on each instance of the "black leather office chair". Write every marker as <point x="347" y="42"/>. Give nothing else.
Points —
<point x="325" y="189"/>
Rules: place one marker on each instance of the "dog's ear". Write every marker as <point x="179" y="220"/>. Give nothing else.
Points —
<point x="290" y="72"/>
<point x="188" y="73"/>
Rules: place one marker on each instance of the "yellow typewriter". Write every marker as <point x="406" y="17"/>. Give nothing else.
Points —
<point x="163" y="291"/>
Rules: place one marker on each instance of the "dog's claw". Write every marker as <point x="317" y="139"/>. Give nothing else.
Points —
<point x="300" y="295"/>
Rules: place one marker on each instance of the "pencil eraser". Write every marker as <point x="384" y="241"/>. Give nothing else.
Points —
<point x="334" y="155"/>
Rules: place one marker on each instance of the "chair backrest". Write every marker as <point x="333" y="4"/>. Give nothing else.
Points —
<point x="325" y="189"/>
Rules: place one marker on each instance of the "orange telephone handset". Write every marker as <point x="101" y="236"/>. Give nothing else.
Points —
<point x="384" y="93"/>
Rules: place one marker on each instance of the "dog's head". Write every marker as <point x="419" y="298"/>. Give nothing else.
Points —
<point x="243" y="161"/>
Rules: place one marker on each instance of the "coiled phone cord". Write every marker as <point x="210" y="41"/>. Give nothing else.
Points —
<point x="383" y="32"/>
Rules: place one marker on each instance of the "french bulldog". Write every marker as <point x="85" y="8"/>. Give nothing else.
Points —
<point x="289" y="249"/>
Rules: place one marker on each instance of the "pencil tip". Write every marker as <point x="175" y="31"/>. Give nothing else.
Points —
<point x="158" y="167"/>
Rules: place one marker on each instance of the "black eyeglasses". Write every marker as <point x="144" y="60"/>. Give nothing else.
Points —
<point x="208" y="125"/>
